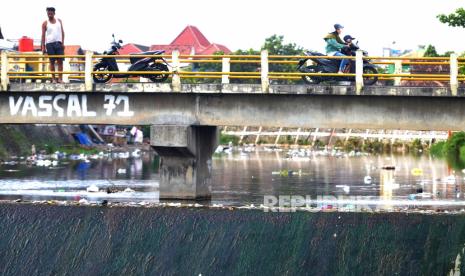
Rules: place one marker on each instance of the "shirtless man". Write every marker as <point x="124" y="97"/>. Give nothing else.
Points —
<point x="53" y="37"/>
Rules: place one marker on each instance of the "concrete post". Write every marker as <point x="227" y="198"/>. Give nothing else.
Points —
<point x="88" y="71"/>
<point x="66" y="68"/>
<point x="358" y="71"/>
<point x="226" y="68"/>
<point x="297" y="137"/>
<point x="454" y="71"/>
<point x="264" y="72"/>
<point x="4" y="71"/>
<point x="176" y="80"/>
<point x="185" y="159"/>
<point x="397" y="70"/>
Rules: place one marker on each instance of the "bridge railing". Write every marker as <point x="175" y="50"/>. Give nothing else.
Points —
<point x="27" y="66"/>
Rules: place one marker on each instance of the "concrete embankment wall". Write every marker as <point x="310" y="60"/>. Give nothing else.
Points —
<point x="57" y="240"/>
<point x="17" y="139"/>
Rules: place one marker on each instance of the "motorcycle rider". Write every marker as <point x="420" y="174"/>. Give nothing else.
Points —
<point x="348" y="39"/>
<point x="334" y="45"/>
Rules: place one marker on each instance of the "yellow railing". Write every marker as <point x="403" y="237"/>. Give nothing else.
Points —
<point x="15" y="65"/>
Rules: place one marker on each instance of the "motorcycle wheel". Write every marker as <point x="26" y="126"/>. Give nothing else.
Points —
<point x="158" y="67"/>
<point x="101" y="78"/>
<point x="370" y="80"/>
<point x="311" y="79"/>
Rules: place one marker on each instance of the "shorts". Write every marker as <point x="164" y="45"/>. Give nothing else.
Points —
<point x="55" y="48"/>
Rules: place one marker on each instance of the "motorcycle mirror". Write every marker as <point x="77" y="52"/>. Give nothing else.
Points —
<point x="120" y="41"/>
<point x="113" y="35"/>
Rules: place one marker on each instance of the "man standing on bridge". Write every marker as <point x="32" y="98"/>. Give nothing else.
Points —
<point x="53" y="37"/>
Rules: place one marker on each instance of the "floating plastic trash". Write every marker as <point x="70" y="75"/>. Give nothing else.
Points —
<point x="417" y="172"/>
<point x="92" y="189"/>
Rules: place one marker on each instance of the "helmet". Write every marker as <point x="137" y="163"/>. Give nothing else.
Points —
<point x="347" y="37"/>
<point x="338" y="26"/>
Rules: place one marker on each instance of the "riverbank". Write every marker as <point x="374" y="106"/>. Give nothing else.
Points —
<point x="76" y="240"/>
<point x="16" y="140"/>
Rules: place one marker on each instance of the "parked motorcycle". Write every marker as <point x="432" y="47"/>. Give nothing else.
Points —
<point x="138" y="63"/>
<point x="324" y="65"/>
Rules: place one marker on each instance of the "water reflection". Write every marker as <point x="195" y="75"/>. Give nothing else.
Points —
<point x="240" y="179"/>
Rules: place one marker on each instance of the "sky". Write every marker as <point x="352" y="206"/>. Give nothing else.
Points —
<point x="241" y="24"/>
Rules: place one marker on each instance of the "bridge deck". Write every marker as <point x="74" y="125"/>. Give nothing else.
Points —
<point x="239" y="88"/>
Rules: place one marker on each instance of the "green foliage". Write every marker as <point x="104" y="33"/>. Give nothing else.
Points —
<point x="246" y="67"/>
<point x="77" y="149"/>
<point x="437" y="149"/>
<point x="456" y="19"/>
<point x="431" y="51"/>
<point x="373" y="146"/>
<point x="274" y="45"/>
<point x="353" y="144"/>
<point x="146" y="131"/>
<point x="319" y="144"/>
<point x="416" y="146"/>
<point x="453" y="145"/>
<point x="303" y="142"/>
<point x="225" y="139"/>
<point x="453" y="150"/>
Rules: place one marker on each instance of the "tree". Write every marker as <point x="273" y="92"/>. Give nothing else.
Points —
<point x="275" y="46"/>
<point x="456" y="19"/>
<point x="431" y="51"/>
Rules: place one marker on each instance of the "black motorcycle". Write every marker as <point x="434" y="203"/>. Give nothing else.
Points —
<point x="323" y="65"/>
<point x="138" y="63"/>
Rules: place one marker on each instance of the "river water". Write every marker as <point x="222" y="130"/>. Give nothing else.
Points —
<point x="239" y="179"/>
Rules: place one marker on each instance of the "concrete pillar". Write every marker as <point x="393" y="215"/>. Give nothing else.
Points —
<point x="358" y="71"/>
<point x="186" y="159"/>
<point x="454" y="71"/>
<point x="4" y="71"/>
<point x="397" y="71"/>
<point x="226" y="68"/>
<point x="176" y="79"/>
<point x="88" y="67"/>
<point x="264" y="72"/>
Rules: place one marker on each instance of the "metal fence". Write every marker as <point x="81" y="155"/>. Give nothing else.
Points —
<point x="13" y="68"/>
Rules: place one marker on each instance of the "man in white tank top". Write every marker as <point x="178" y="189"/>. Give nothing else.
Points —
<point x="53" y="37"/>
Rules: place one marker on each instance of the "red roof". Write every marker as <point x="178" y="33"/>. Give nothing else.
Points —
<point x="191" y="36"/>
<point x="132" y="48"/>
<point x="72" y="49"/>
<point x="183" y="49"/>
<point x="213" y="48"/>
<point x="191" y="41"/>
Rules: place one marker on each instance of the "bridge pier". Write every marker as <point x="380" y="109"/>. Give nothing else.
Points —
<point x="185" y="159"/>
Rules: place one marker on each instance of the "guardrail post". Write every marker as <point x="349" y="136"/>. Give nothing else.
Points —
<point x="66" y="68"/>
<point x="454" y="71"/>
<point x="176" y="79"/>
<point x="397" y="70"/>
<point x="358" y="72"/>
<point x="88" y="71"/>
<point x="264" y="72"/>
<point x="226" y="68"/>
<point x="4" y="72"/>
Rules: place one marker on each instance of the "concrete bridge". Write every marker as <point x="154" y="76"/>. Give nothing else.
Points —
<point x="184" y="124"/>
